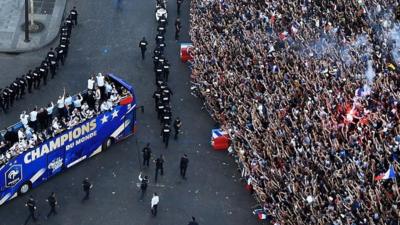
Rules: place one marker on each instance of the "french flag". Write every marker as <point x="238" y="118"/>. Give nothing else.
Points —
<point x="390" y="174"/>
<point x="262" y="216"/>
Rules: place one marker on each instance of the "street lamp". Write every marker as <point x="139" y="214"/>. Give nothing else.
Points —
<point x="26" y="21"/>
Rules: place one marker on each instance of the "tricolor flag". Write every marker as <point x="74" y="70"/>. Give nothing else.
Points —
<point x="262" y="216"/>
<point x="390" y="174"/>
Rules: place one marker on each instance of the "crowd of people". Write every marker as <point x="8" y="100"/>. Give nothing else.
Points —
<point x="309" y="92"/>
<point x="43" y="123"/>
<point x="17" y="89"/>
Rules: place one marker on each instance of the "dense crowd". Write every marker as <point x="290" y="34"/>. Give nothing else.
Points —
<point x="309" y="92"/>
<point x="43" y="123"/>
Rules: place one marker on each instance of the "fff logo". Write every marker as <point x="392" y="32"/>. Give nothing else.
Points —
<point x="13" y="175"/>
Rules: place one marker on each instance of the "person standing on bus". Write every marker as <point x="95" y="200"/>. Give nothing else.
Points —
<point x="52" y="203"/>
<point x="177" y="127"/>
<point x="31" y="204"/>
<point x="143" y="47"/>
<point x="101" y="86"/>
<point x="159" y="166"/>
<point x="86" y="188"/>
<point x="146" y="155"/>
<point x="61" y="105"/>
<point x="91" y="83"/>
<point x="33" y="119"/>
<point x="143" y="184"/>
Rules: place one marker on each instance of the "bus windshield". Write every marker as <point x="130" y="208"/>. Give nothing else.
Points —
<point x="103" y="93"/>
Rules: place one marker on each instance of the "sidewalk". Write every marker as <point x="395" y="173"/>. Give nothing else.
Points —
<point x="48" y="12"/>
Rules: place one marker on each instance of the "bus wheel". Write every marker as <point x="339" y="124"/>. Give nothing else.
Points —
<point x="107" y="144"/>
<point x="24" y="188"/>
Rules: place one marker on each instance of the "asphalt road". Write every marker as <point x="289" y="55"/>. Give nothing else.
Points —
<point x="106" y="40"/>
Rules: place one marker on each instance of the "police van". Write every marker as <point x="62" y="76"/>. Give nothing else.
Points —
<point x="35" y="165"/>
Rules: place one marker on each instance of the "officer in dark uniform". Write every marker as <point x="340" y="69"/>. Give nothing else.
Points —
<point x="74" y="15"/>
<point x="143" y="47"/>
<point x="146" y="155"/>
<point x="159" y="166"/>
<point x="22" y="85"/>
<point x="159" y="72"/>
<point x="52" y="66"/>
<point x="52" y="200"/>
<point x="162" y="21"/>
<point x="64" y="44"/>
<point x="167" y="115"/>
<point x="183" y="165"/>
<point x="29" y="80"/>
<point x="177" y="28"/>
<point x="6" y="99"/>
<point x="60" y="54"/>
<point x="165" y="132"/>
<point x="159" y="38"/>
<point x="178" y="4"/>
<point x="160" y="109"/>
<point x="177" y="127"/>
<point x="86" y="188"/>
<point x="144" y="181"/>
<point x="16" y="88"/>
<point x="68" y="21"/>
<point x="166" y="96"/>
<point x="31" y="204"/>
<point x="161" y="29"/>
<point x="36" y="78"/>
<point x="44" y="71"/>
<point x="11" y="95"/>
<point x="166" y="70"/>
<point x="2" y="106"/>
<point x="65" y="31"/>
<point x="51" y="58"/>
<point x="157" y="97"/>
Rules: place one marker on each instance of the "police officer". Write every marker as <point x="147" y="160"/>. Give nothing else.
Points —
<point x="183" y="165"/>
<point x="6" y="99"/>
<point x="86" y="188"/>
<point x="178" y="4"/>
<point x="160" y="109"/>
<point x="29" y="80"/>
<point x="2" y="106"/>
<point x="143" y="47"/>
<point x="31" y="204"/>
<point x="161" y="29"/>
<point x="51" y="55"/>
<point x="144" y="181"/>
<point x="159" y="166"/>
<point x="159" y="72"/>
<point x="177" y="28"/>
<point x="65" y="31"/>
<point x="74" y="15"/>
<point x="64" y="44"/>
<point x="44" y="71"/>
<point x="157" y="97"/>
<point x="166" y="94"/>
<point x="11" y="95"/>
<point x="52" y="66"/>
<point x="166" y="119"/>
<point x="162" y="21"/>
<point x="16" y="88"/>
<point x="159" y="38"/>
<point x="52" y="200"/>
<point x="146" y="155"/>
<point x="60" y="54"/>
<point x="193" y="222"/>
<point x="68" y="21"/>
<point x="166" y="70"/>
<point x="36" y="78"/>
<point x="165" y="132"/>
<point x="177" y="127"/>
<point x="22" y="85"/>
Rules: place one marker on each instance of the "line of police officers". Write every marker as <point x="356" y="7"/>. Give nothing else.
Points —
<point x="49" y="66"/>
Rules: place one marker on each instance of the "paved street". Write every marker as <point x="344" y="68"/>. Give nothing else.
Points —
<point x="12" y="17"/>
<point x="106" y="40"/>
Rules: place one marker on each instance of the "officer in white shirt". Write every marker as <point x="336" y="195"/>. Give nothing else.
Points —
<point x="154" y="204"/>
<point x="101" y="85"/>
<point x="33" y="119"/>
